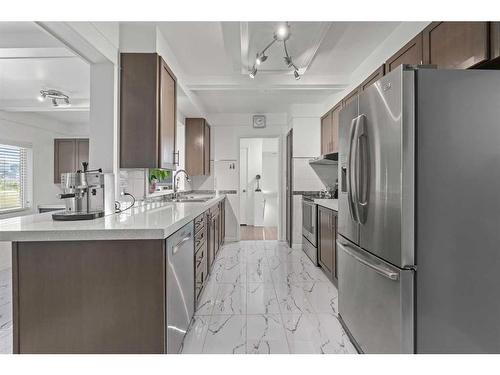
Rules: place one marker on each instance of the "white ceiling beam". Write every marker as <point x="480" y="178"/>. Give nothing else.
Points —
<point x="313" y="49"/>
<point x="193" y="82"/>
<point x="245" y="45"/>
<point x="15" y="105"/>
<point x="267" y="87"/>
<point x="164" y="49"/>
<point x="35" y="53"/>
<point x="84" y="40"/>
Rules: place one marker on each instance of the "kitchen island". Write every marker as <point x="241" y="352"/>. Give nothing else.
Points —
<point x="95" y="286"/>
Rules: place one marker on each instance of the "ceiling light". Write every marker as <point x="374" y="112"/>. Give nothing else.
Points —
<point x="55" y="96"/>
<point x="253" y="72"/>
<point x="283" y="32"/>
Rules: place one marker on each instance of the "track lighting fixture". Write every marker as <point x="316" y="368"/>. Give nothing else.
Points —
<point x="282" y="34"/>
<point x="260" y="58"/>
<point x="55" y="96"/>
<point x="253" y="72"/>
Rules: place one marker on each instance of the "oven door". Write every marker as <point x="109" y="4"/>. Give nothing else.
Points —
<point x="309" y="221"/>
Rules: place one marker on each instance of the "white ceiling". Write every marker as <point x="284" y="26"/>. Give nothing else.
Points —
<point x="32" y="60"/>
<point x="215" y="58"/>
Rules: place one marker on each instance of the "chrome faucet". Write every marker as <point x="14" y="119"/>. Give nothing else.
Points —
<point x="176" y="181"/>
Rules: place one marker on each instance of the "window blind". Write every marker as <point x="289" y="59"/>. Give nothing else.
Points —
<point x="13" y="177"/>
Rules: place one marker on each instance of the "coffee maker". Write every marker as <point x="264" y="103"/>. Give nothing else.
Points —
<point x="88" y="194"/>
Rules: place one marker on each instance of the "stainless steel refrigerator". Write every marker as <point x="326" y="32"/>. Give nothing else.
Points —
<point x="419" y="213"/>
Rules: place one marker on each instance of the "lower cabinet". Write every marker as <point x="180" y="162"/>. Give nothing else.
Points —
<point x="327" y="247"/>
<point x="216" y="229"/>
<point x="209" y="236"/>
<point x="200" y="254"/>
<point x="222" y="222"/>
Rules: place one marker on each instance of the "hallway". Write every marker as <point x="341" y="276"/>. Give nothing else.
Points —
<point x="264" y="297"/>
<point x="249" y="233"/>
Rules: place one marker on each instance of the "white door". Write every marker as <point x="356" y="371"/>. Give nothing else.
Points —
<point x="243" y="185"/>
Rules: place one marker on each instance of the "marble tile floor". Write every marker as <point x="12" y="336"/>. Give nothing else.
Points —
<point x="264" y="297"/>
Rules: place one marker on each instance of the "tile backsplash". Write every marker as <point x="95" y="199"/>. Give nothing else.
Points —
<point x="133" y="181"/>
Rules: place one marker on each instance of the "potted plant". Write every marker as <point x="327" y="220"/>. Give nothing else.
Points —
<point x="155" y="176"/>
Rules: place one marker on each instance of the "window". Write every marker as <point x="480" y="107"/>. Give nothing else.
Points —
<point x="14" y="185"/>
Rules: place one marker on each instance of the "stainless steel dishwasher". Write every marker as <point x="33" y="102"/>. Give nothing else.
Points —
<point x="180" y="286"/>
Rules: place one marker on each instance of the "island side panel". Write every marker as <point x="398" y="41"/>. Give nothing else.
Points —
<point x="89" y="296"/>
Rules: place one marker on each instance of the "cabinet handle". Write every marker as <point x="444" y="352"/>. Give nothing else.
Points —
<point x="176" y="160"/>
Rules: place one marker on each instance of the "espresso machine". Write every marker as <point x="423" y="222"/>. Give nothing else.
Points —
<point x="88" y="194"/>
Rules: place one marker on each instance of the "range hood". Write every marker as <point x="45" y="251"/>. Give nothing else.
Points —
<point x="329" y="159"/>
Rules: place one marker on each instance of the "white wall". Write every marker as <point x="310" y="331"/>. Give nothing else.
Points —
<point x="397" y="39"/>
<point x="227" y="129"/>
<point x="306" y="145"/>
<point x="5" y="255"/>
<point x="270" y="180"/>
<point x="254" y="167"/>
<point x="40" y="132"/>
<point x="103" y="152"/>
<point x="180" y="141"/>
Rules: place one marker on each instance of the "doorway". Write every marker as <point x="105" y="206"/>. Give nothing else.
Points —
<point x="259" y="188"/>
<point x="289" y="186"/>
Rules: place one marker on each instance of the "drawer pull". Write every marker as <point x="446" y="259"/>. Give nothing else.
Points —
<point x="380" y="269"/>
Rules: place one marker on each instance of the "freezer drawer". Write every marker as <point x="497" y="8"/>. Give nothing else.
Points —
<point x="375" y="301"/>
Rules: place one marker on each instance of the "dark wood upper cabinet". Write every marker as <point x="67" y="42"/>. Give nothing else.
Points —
<point x="335" y="127"/>
<point x="411" y="53"/>
<point x="168" y="109"/>
<point x="495" y="42"/>
<point x="147" y="112"/>
<point x="351" y="96"/>
<point x="456" y="45"/>
<point x="197" y="147"/>
<point x="326" y="130"/>
<point x="206" y="149"/>
<point x="69" y="153"/>
<point x="372" y="78"/>
<point x="327" y="235"/>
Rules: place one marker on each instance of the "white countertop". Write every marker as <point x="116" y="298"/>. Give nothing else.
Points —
<point x="332" y="204"/>
<point x="156" y="220"/>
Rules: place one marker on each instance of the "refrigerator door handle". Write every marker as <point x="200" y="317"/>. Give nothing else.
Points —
<point x="377" y="267"/>
<point x="350" y="170"/>
<point x="362" y="169"/>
